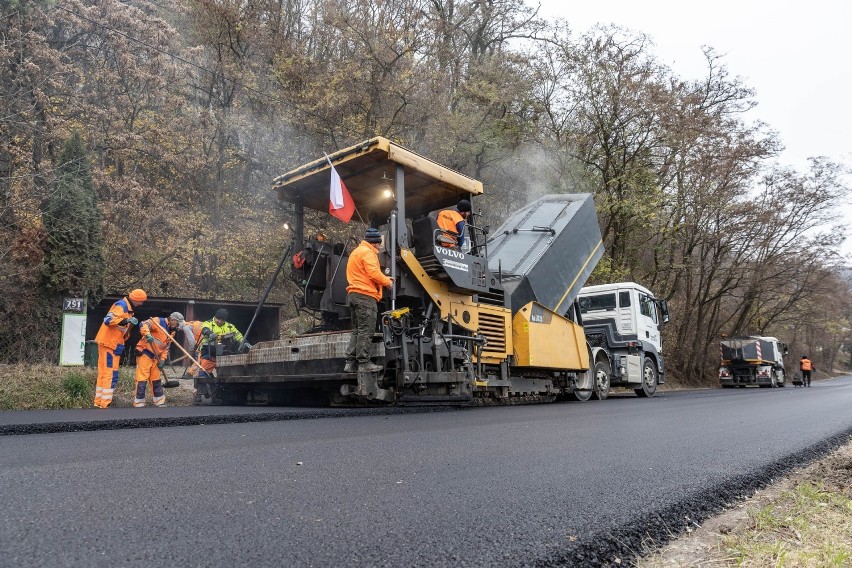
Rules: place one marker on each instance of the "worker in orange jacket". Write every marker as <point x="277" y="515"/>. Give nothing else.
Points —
<point x="192" y="341"/>
<point x="151" y="354"/>
<point x="452" y="221"/>
<point x="366" y="280"/>
<point x="806" y="366"/>
<point x="110" y="339"/>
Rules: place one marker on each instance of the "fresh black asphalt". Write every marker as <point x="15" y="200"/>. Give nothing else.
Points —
<point x="568" y="484"/>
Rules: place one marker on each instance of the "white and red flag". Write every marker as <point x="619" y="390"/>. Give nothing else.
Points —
<point x="340" y="203"/>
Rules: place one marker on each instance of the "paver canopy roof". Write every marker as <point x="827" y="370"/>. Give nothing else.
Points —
<point x="368" y="169"/>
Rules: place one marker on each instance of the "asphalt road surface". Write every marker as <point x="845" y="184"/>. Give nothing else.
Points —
<point x="548" y="485"/>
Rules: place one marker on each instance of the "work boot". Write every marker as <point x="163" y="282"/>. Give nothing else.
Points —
<point x="350" y="367"/>
<point x="369" y="367"/>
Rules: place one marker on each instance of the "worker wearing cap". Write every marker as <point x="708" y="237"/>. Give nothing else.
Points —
<point x="214" y="332"/>
<point x="110" y="339"/>
<point x="806" y="366"/>
<point x="151" y="354"/>
<point x="451" y="222"/>
<point x="366" y="280"/>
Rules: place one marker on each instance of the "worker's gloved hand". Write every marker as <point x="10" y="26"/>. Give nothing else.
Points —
<point x="244" y="348"/>
<point x="205" y="332"/>
<point x="213" y="336"/>
<point x="149" y="338"/>
<point x="133" y="321"/>
<point x="161" y="364"/>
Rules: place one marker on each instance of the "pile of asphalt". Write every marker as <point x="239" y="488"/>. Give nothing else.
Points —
<point x="623" y="545"/>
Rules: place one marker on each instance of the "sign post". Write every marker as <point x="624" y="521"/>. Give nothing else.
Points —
<point x="72" y="345"/>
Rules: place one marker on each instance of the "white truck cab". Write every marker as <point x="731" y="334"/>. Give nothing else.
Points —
<point x="622" y="322"/>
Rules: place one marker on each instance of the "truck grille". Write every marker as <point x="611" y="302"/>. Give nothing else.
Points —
<point x="596" y="339"/>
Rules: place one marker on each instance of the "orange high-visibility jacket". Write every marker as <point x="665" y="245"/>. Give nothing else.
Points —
<point x="448" y="221"/>
<point x="194" y="328"/>
<point x="806" y="365"/>
<point x="364" y="273"/>
<point x="115" y="329"/>
<point x="153" y="349"/>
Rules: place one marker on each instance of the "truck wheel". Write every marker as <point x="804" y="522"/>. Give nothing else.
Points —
<point x="601" y="380"/>
<point x="649" y="380"/>
<point x="780" y="381"/>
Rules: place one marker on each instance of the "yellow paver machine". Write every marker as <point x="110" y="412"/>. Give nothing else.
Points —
<point x="492" y="322"/>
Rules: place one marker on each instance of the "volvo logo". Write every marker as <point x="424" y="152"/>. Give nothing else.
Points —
<point x="449" y="252"/>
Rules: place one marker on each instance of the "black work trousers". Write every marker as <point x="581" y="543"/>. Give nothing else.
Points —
<point x="364" y="310"/>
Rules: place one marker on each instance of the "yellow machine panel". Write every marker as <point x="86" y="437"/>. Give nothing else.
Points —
<point x="495" y="324"/>
<point x="491" y="321"/>
<point x="543" y="338"/>
<point x="450" y="303"/>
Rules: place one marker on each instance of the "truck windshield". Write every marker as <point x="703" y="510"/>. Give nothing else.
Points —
<point x="598" y="302"/>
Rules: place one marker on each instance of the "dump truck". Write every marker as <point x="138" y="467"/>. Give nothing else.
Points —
<point x="494" y="322"/>
<point x="752" y="360"/>
<point x="622" y="322"/>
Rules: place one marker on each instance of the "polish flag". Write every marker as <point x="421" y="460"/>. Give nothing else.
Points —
<point x="340" y="202"/>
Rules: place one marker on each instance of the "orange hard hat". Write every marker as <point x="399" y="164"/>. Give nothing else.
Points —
<point x="138" y="295"/>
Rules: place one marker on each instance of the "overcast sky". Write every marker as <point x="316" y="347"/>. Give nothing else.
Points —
<point x="797" y="56"/>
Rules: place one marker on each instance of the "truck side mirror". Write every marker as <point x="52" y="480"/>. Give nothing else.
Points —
<point x="664" y="311"/>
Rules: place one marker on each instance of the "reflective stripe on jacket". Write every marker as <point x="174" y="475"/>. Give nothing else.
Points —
<point x="113" y="332"/>
<point x="364" y="273"/>
<point x="159" y="333"/>
<point x="452" y="223"/>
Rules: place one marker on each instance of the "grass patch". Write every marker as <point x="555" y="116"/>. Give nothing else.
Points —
<point x="29" y="387"/>
<point x="41" y="386"/>
<point x="808" y="526"/>
<point x="76" y="385"/>
<point x="804" y="520"/>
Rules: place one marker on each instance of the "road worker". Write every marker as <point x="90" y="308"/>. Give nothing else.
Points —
<point x="452" y="221"/>
<point x="365" y="279"/>
<point x="192" y="342"/>
<point x="217" y="336"/>
<point x="806" y="366"/>
<point x="110" y="339"/>
<point x="151" y="354"/>
<point x="192" y="334"/>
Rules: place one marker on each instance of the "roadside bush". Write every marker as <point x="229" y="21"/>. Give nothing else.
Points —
<point x="76" y="385"/>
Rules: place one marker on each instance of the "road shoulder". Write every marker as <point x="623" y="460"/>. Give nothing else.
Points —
<point x="804" y="519"/>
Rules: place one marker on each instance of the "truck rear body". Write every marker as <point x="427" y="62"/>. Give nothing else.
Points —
<point x="752" y="361"/>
